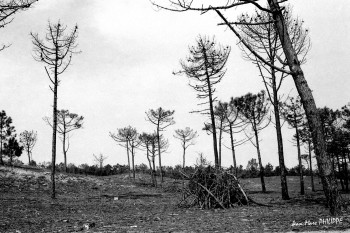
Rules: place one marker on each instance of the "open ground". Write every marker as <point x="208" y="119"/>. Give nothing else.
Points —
<point x="118" y="204"/>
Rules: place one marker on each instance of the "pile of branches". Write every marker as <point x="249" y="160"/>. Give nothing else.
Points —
<point x="210" y="187"/>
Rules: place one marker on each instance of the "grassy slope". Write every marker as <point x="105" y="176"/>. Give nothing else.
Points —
<point x="26" y="206"/>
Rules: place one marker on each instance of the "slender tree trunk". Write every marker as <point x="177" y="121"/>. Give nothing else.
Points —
<point x="283" y="175"/>
<point x="260" y="163"/>
<point x="28" y="152"/>
<point x="211" y="109"/>
<point x="183" y="156"/>
<point x="150" y="165"/>
<point x="233" y="150"/>
<point x="154" y="171"/>
<point x="54" y="129"/>
<point x="54" y="126"/>
<point x="127" y="153"/>
<point x="154" y="165"/>
<point x="150" y="168"/>
<point x="325" y="166"/>
<point x="216" y="156"/>
<point x="159" y="154"/>
<point x="301" y="175"/>
<point x="133" y="162"/>
<point x="220" y="138"/>
<point x="311" y="172"/>
<point x="183" y="165"/>
<point x="64" y="151"/>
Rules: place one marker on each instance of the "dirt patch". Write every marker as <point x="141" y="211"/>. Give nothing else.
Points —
<point x="89" y="204"/>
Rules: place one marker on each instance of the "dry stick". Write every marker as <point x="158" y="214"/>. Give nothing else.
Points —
<point x="249" y="198"/>
<point x="240" y="187"/>
<point x="212" y="195"/>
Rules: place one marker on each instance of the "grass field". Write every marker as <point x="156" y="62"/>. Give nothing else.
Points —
<point x="116" y="204"/>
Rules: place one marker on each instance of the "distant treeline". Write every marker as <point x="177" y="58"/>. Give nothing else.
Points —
<point x="168" y="171"/>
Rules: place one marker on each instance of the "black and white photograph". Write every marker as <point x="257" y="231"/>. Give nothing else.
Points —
<point x="181" y="116"/>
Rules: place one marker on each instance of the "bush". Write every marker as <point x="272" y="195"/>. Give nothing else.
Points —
<point x="32" y="163"/>
<point x="17" y="162"/>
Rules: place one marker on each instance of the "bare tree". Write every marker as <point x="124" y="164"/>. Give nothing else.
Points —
<point x="205" y="67"/>
<point x="162" y="119"/>
<point x="225" y="124"/>
<point x="233" y="125"/>
<point x="186" y="136"/>
<point x="127" y="137"/>
<point x="202" y="161"/>
<point x="8" y="8"/>
<point x="263" y="38"/>
<point x="149" y="142"/>
<point x="66" y="123"/>
<point x="134" y="144"/>
<point x="229" y="122"/>
<point x="100" y="160"/>
<point x="253" y="110"/>
<point x="293" y="62"/>
<point x="56" y="53"/>
<point x="28" y="140"/>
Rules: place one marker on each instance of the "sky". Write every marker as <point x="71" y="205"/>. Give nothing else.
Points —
<point x="129" y="50"/>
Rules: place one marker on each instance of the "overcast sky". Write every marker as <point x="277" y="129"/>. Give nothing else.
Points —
<point x="129" y="51"/>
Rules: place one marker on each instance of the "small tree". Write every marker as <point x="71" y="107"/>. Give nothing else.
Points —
<point x="134" y="144"/>
<point x="205" y="67"/>
<point x="12" y="148"/>
<point x="28" y="140"/>
<point x="294" y="114"/>
<point x="56" y="53"/>
<point x="252" y="167"/>
<point x="148" y="142"/>
<point x="202" y="161"/>
<point x="100" y="160"/>
<point x="162" y="119"/>
<point x="233" y="125"/>
<point x="186" y="136"/>
<point x="128" y="138"/>
<point x="305" y="136"/>
<point x="269" y="169"/>
<point x="226" y="116"/>
<point x="220" y="115"/>
<point x="254" y="109"/>
<point x="6" y="131"/>
<point x="66" y="123"/>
